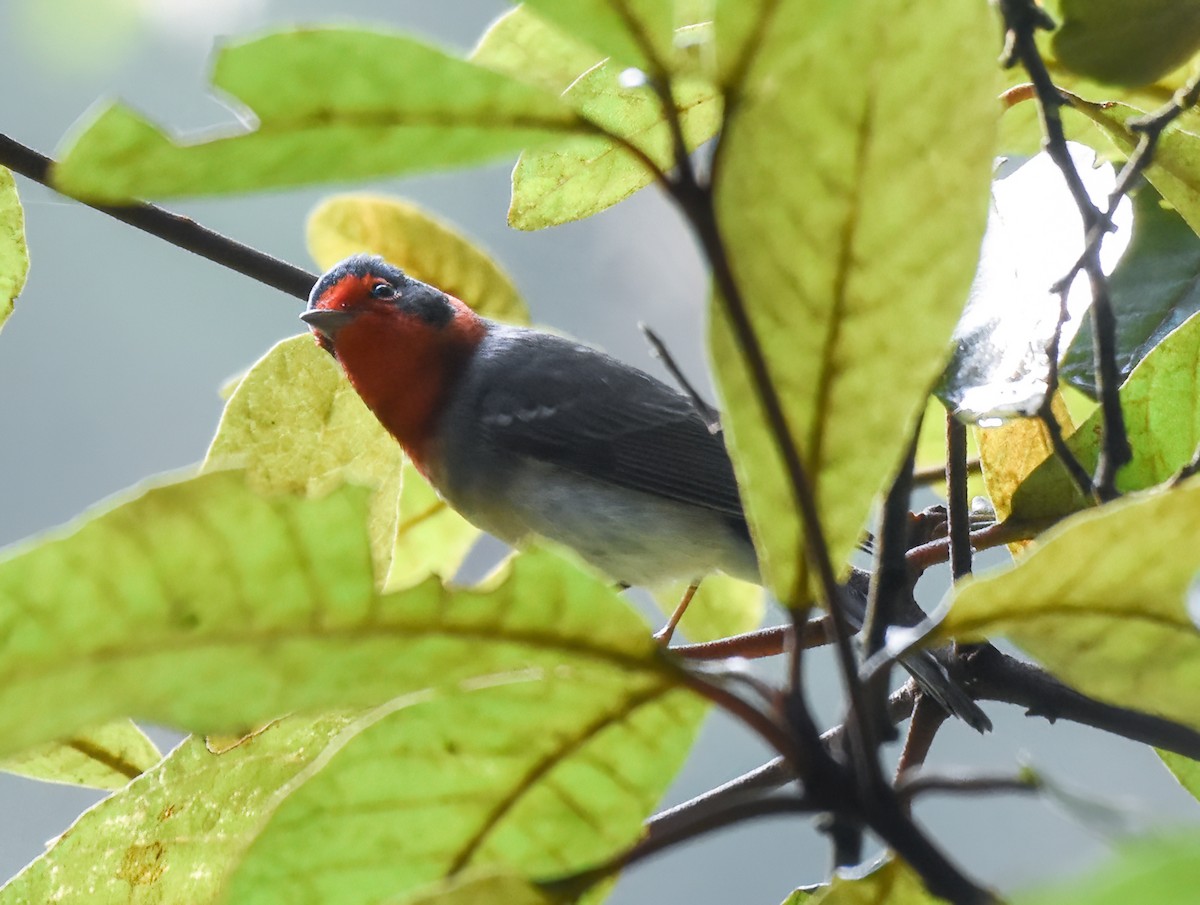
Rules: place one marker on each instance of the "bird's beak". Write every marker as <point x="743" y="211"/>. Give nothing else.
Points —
<point x="327" y="321"/>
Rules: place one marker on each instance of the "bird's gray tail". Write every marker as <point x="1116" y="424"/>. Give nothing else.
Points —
<point x="936" y="681"/>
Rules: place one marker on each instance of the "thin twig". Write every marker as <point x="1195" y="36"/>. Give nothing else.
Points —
<point x="958" y="513"/>
<point x="910" y="785"/>
<point x="176" y="229"/>
<point x="995" y="535"/>
<point x="709" y="413"/>
<point x="931" y="474"/>
<point x="1058" y="443"/>
<point x="765" y="642"/>
<point x="927" y="718"/>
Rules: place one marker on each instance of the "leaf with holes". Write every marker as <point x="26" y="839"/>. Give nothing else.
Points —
<point x="418" y="243"/>
<point x="107" y="757"/>
<point x="1115" y="626"/>
<point x="14" y="255"/>
<point x="391" y="105"/>
<point x="852" y="254"/>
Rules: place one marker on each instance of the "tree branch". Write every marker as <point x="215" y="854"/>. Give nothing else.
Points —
<point x="180" y="231"/>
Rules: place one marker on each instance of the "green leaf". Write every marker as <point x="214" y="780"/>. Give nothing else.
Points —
<point x="177" y="831"/>
<point x="579" y="176"/>
<point x="893" y="883"/>
<point x="1115" y="626"/>
<point x="14" y="255"/>
<point x="105" y="758"/>
<point x="391" y="105"/>
<point x="722" y="606"/>
<point x="418" y="243"/>
<point x="545" y="773"/>
<point x="1175" y="171"/>
<point x="525" y="46"/>
<point x="1161" y="403"/>
<point x="1165" y="871"/>
<point x="204" y="605"/>
<point x="1126" y="44"/>
<point x="852" y="253"/>
<point x="483" y="889"/>
<point x="634" y="32"/>
<point x="1154" y="289"/>
<point x="1184" y="769"/>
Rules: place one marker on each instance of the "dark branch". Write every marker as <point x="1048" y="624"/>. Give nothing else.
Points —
<point x="176" y="229"/>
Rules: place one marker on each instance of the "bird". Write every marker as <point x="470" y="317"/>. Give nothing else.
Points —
<point x="528" y="434"/>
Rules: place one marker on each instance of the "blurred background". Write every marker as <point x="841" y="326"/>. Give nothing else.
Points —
<point x="110" y="366"/>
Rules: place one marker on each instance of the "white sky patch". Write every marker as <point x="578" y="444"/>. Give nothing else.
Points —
<point x="1034" y="236"/>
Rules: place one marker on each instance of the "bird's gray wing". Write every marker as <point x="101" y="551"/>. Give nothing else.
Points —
<point x="582" y="410"/>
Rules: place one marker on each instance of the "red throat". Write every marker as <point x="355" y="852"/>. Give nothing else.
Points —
<point x="404" y="368"/>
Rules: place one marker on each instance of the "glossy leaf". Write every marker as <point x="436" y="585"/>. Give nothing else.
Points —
<point x="391" y="105"/>
<point x="14" y="255"/>
<point x="1115" y="626"/>
<point x="178" y="830"/>
<point x="107" y="757"/>
<point x="525" y="46"/>
<point x="1123" y="44"/>
<point x="206" y="606"/>
<point x="579" y="176"/>
<point x="1165" y="871"/>
<point x="1161" y="403"/>
<point x="853" y="254"/>
<point x="1154" y="289"/>
<point x="418" y="243"/>
<point x="1175" y="171"/>
<point x="542" y="772"/>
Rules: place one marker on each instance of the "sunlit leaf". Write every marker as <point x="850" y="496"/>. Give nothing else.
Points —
<point x="1161" y="403"/>
<point x="178" y="830"/>
<point x="418" y="243"/>
<point x="525" y="46"/>
<point x="1114" y="624"/>
<point x="852" y="253"/>
<point x="14" y="256"/>
<point x="105" y="758"/>
<point x="1175" y="170"/>
<point x="206" y="606"/>
<point x="1165" y="871"/>
<point x="1008" y="454"/>
<point x="1112" y="41"/>
<point x="579" y="176"/>
<point x="545" y="773"/>
<point x="390" y="105"/>
<point x="1154" y="289"/>
<point x="482" y="889"/>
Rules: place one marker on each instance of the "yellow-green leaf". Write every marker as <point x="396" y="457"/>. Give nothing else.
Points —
<point x="722" y="606"/>
<point x="1161" y="403"/>
<point x="107" y="757"/>
<point x="14" y="255"/>
<point x="579" y="176"/>
<point x="418" y="243"/>
<point x="1008" y="454"/>
<point x="1101" y="602"/>
<point x="852" y="253"/>
<point x="179" y="830"/>
<point x="1184" y="769"/>
<point x="391" y="104"/>
<point x="207" y="606"/>
<point x="1165" y="871"/>
<point x="894" y="883"/>
<point x="544" y="773"/>
<point x="485" y="888"/>
<point x="525" y="46"/>
<point x="1126" y="44"/>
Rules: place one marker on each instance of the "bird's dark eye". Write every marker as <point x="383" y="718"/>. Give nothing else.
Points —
<point x="383" y="291"/>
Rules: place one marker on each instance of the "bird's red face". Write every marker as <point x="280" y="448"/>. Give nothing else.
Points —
<point x="401" y="342"/>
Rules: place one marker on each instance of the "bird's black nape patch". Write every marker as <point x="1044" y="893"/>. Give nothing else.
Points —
<point x="426" y="302"/>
